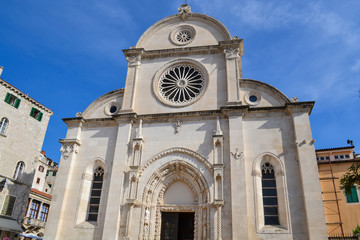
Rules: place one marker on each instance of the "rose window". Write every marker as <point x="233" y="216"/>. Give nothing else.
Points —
<point x="181" y="84"/>
<point x="183" y="36"/>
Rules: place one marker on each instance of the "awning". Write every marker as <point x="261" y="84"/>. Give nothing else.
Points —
<point x="8" y="224"/>
<point x="30" y="235"/>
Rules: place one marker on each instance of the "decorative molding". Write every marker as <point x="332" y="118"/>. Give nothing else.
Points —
<point x="185" y="151"/>
<point x="134" y="60"/>
<point x="68" y="147"/>
<point x="232" y="53"/>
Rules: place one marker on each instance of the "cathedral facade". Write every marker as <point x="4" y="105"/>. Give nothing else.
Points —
<point x="189" y="149"/>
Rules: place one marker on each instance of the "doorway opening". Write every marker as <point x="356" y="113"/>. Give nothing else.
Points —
<point x="177" y="225"/>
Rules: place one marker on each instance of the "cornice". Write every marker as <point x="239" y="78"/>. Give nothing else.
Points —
<point x="25" y="96"/>
<point x="224" y="110"/>
<point x="300" y="106"/>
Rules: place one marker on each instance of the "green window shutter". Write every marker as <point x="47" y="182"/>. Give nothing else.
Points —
<point x="32" y="112"/>
<point x="47" y="173"/>
<point x="40" y="116"/>
<point x="7" y="97"/>
<point x="54" y="173"/>
<point x="353" y="196"/>
<point x="17" y="103"/>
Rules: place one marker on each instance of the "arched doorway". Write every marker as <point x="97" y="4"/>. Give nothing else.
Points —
<point x="176" y="204"/>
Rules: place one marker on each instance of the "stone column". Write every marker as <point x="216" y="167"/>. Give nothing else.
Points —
<point x="233" y="51"/>
<point x="117" y="175"/>
<point x="133" y="57"/>
<point x="315" y="215"/>
<point x="239" y="206"/>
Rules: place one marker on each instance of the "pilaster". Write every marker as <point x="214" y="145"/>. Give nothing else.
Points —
<point x="314" y="209"/>
<point x="239" y="206"/>
<point x="116" y="189"/>
<point x="133" y="57"/>
<point x="233" y="50"/>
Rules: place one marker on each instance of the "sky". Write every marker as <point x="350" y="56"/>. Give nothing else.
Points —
<point x="66" y="53"/>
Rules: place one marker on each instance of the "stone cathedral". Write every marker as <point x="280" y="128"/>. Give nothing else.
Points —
<point x="189" y="149"/>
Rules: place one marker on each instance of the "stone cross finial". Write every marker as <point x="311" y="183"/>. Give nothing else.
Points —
<point x="184" y="8"/>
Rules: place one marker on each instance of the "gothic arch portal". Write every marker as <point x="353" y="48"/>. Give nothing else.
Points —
<point x="176" y="171"/>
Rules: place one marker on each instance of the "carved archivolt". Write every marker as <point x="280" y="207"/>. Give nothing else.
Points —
<point x="152" y="198"/>
<point x="191" y="153"/>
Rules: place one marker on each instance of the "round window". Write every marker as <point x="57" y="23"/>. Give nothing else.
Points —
<point x="181" y="84"/>
<point x="253" y="98"/>
<point x="182" y="35"/>
<point x="113" y="109"/>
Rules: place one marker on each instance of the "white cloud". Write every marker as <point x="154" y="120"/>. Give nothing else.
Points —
<point x="272" y="15"/>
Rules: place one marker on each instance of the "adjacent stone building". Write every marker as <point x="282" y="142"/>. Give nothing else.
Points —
<point x="40" y="198"/>
<point x="189" y="149"/>
<point x="23" y="123"/>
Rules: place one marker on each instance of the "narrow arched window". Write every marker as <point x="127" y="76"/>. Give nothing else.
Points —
<point x="20" y="166"/>
<point x="3" y="125"/>
<point x="270" y="200"/>
<point x="95" y="195"/>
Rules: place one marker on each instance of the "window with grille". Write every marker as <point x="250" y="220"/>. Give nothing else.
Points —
<point x="20" y="166"/>
<point x="3" y="125"/>
<point x="44" y="212"/>
<point x="34" y="209"/>
<point x="95" y="196"/>
<point x="270" y="200"/>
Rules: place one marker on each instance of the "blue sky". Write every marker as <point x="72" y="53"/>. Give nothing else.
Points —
<point x="67" y="53"/>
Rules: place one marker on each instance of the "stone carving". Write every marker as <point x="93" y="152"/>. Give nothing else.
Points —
<point x="237" y="155"/>
<point x="256" y="173"/>
<point x="294" y="99"/>
<point x="183" y="10"/>
<point x="68" y="147"/>
<point x="231" y="53"/>
<point x="177" y="126"/>
<point x="134" y="60"/>
<point x="79" y="114"/>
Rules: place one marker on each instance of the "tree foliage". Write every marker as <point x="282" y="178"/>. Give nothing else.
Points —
<point x="351" y="178"/>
